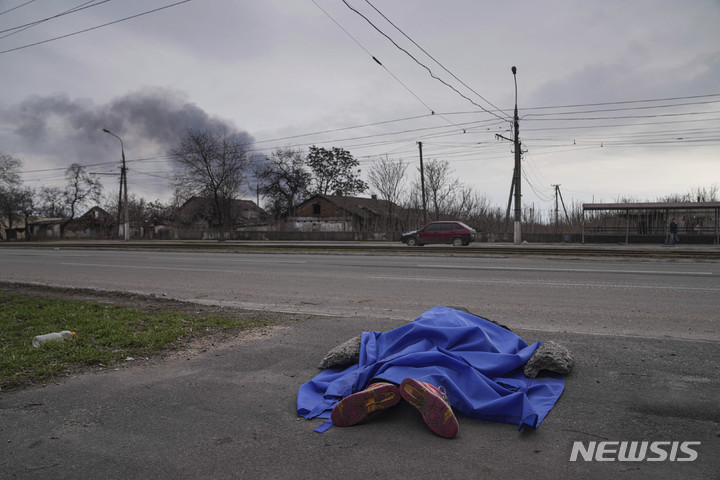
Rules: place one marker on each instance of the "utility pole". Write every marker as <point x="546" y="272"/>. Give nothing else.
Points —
<point x="559" y="194"/>
<point x="119" y="202"/>
<point x="422" y="185"/>
<point x="126" y="231"/>
<point x="515" y="186"/>
<point x="517" y="176"/>
<point x="123" y="185"/>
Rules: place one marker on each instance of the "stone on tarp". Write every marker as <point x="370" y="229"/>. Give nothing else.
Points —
<point x="345" y="354"/>
<point x="549" y="356"/>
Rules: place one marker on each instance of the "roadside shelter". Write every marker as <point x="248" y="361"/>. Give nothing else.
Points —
<point x="698" y="222"/>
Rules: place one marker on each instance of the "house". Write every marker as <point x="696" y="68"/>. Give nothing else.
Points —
<point x="45" y="227"/>
<point x="96" y="223"/>
<point x="198" y="213"/>
<point x="337" y="213"/>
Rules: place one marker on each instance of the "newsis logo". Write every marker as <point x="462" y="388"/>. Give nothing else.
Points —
<point x="634" y="451"/>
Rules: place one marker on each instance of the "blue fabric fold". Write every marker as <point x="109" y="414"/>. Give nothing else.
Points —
<point x="478" y="362"/>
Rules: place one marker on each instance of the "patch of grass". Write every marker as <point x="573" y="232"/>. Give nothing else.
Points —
<point x="106" y="334"/>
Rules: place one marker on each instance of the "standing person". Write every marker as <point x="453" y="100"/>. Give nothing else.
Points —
<point x="673" y="232"/>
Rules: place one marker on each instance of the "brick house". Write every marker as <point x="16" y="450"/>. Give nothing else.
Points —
<point x="198" y="213"/>
<point x="95" y="223"/>
<point x="336" y="213"/>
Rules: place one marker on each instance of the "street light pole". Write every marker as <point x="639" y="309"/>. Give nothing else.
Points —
<point x="518" y="197"/>
<point x="123" y="185"/>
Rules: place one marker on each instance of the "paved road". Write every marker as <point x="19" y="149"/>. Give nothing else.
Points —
<point x="645" y="336"/>
<point x="660" y="299"/>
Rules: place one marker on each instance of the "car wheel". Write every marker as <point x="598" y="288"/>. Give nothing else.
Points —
<point x="457" y="242"/>
<point x="412" y="242"/>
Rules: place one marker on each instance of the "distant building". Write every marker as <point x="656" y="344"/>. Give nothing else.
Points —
<point x="336" y="213"/>
<point x="96" y="223"/>
<point x="197" y="214"/>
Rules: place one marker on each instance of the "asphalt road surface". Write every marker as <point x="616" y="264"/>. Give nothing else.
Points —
<point x="655" y="299"/>
<point x="645" y="336"/>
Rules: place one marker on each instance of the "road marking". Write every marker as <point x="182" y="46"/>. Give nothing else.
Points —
<point x="405" y="278"/>
<point x="565" y="270"/>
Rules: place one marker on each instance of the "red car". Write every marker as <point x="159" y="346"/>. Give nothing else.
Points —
<point x="456" y="233"/>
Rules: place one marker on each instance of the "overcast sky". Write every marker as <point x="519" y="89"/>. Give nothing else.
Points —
<point x="617" y="99"/>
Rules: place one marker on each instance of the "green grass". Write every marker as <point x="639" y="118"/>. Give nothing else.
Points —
<point x="106" y="334"/>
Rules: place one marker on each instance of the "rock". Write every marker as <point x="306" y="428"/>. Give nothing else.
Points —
<point x="345" y="354"/>
<point x="549" y="356"/>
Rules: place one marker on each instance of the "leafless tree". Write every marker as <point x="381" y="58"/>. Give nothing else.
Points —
<point x="387" y="178"/>
<point x="15" y="200"/>
<point x="51" y="202"/>
<point x="9" y="170"/>
<point x="440" y="187"/>
<point x="213" y="166"/>
<point x="81" y="189"/>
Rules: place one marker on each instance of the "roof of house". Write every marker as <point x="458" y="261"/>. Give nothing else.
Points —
<point x="203" y="206"/>
<point x="90" y="214"/>
<point x="359" y="206"/>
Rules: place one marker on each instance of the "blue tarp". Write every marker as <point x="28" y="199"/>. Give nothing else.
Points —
<point x="478" y="362"/>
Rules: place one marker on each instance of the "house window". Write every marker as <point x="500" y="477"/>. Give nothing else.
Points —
<point x="316" y="209"/>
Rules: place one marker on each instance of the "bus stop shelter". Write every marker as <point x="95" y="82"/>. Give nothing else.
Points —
<point x="698" y="222"/>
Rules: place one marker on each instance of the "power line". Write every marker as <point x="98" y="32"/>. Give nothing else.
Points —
<point x="420" y="63"/>
<point x="95" y="28"/>
<point x="624" y="102"/>
<point x="385" y="122"/>
<point x="15" y="8"/>
<point x="434" y="59"/>
<point x="80" y="7"/>
<point x="625" y="117"/>
<point x="620" y="109"/>
<point x="373" y="57"/>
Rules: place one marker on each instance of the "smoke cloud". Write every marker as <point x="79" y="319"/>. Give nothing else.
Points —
<point x="55" y="131"/>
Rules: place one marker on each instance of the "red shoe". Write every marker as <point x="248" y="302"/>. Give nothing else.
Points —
<point x="433" y="405"/>
<point x="357" y="407"/>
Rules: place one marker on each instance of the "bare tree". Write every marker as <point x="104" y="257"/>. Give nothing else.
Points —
<point x="9" y="170"/>
<point x="81" y="189"/>
<point x="51" y="202"/>
<point x="213" y="166"/>
<point x="704" y="194"/>
<point x="441" y="188"/>
<point x="387" y="177"/>
<point x="334" y="171"/>
<point x="15" y="200"/>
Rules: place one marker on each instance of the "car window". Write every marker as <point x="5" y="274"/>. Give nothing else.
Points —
<point x="447" y="226"/>
<point x="431" y="228"/>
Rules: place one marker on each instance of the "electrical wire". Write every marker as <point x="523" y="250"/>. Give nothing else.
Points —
<point x="374" y="58"/>
<point x="94" y="28"/>
<point x="80" y="7"/>
<point x="15" y="8"/>
<point x="419" y="62"/>
<point x="626" y="102"/>
<point x="435" y="60"/>
<point x="385" y="122"/>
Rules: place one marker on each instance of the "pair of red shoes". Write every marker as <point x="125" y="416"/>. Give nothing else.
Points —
<point x="431" y="401"/>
